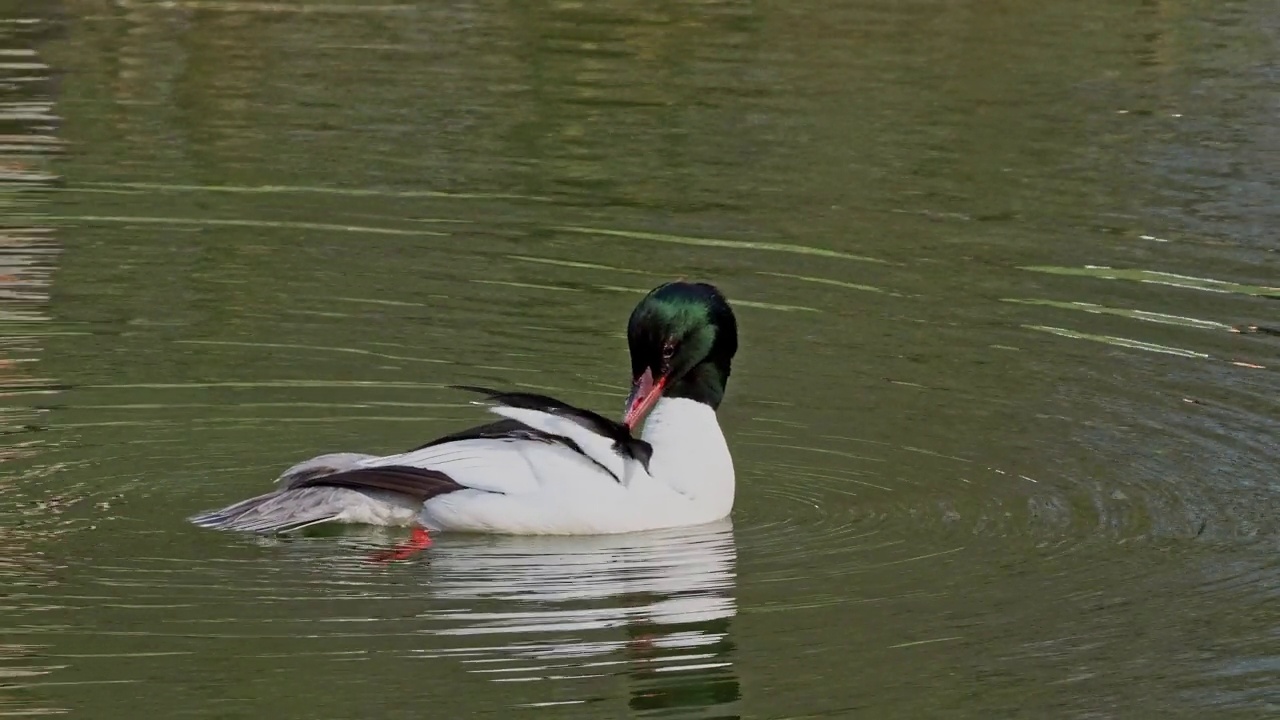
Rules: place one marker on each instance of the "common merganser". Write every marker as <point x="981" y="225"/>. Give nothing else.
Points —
<point x="548" y="468"/>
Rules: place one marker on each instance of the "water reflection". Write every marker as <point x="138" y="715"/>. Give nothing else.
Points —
<point x="27" y="249"/>
<point x="540" y="609"/>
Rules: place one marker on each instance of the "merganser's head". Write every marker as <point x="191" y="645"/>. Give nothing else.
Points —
<point x="683" y="337"/>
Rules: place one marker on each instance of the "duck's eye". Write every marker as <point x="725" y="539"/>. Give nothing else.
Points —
<point x="669" y="350"/>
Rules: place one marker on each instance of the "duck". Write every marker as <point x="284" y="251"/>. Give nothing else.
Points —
<point x="546" y="467"/>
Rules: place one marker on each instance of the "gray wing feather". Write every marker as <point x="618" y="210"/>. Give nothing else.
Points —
<point x="293" y="509"/>
<point x="322" y="465"/>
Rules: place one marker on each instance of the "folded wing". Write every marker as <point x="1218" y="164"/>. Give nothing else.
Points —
<point x="606" y="442"/>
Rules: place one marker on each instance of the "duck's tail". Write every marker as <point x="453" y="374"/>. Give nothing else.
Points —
<point x="334" y="488"/>
<point x="283" y="510"/>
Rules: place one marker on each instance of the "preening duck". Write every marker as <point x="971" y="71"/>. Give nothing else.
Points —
<point x="547" y="467"/>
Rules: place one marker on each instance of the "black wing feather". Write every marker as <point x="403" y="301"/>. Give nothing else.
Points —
<point x="420" y="484"/>
<point x="508" y="429"/>
<point x="624" y="443"/>
<point x="504" y="429"/>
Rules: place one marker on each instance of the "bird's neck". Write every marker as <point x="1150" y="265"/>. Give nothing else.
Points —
<point x="704" y="382"/>
<point x="689" y="451"/>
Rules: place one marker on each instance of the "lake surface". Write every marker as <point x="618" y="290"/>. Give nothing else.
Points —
<point x="1005" y="415"/>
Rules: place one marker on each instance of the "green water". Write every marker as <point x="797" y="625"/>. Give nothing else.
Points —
<point x="999" y="452"/>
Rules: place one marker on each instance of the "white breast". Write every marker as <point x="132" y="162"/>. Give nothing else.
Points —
<point x="691" y="456"/>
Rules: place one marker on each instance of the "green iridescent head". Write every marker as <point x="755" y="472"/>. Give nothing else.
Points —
<point x="683" y="337"/>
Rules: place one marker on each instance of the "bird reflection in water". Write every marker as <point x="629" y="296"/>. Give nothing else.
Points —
<point x="558" y="602"/>
<point x="682" y="666"/>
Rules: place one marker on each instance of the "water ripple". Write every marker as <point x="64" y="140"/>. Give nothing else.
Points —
<point x="649" y="610"/>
